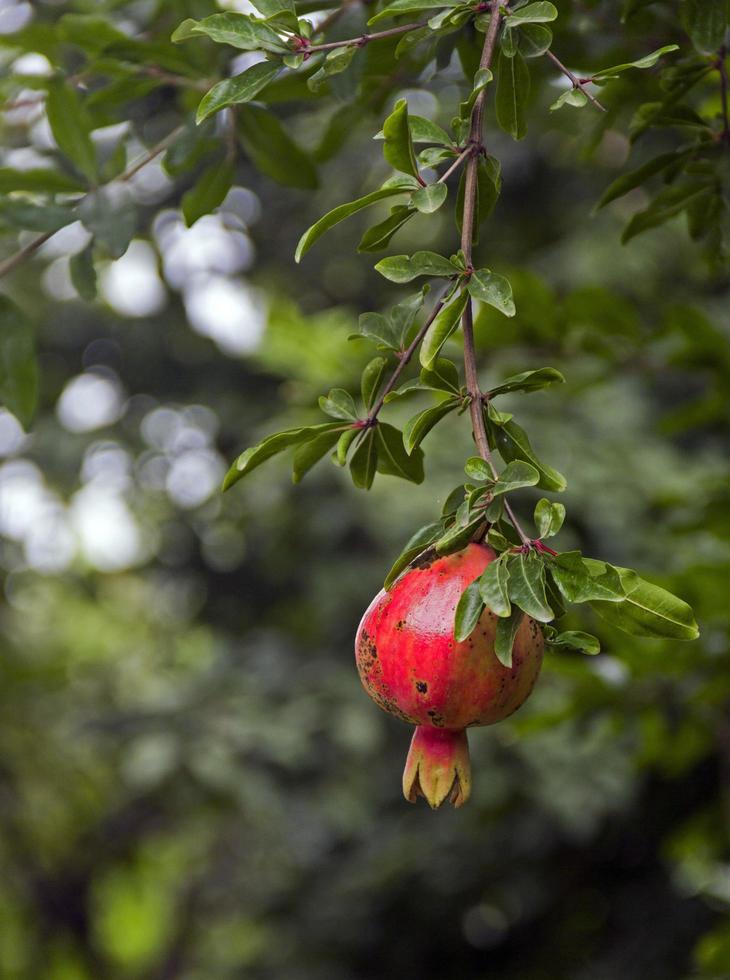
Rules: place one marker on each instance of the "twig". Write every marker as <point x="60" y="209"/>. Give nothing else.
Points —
<point x="404" y="359"/>
<point x="456" y="164"/>
<point x="578" y="83"/>
<point x="11" y="263"/>
<point x="358" y="42"/>
<point x="467" y="231"/>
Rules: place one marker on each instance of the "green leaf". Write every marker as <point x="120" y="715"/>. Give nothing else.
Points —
<point x="209" y="191"/>
<point x="515" y="475"/>
<point x="494" y="587"/>
<point x="535" y="40"/>
<point x="376" y="238"/>
<point x="283" y="10"/>
<point x="705" y="21"/>
<point x="18" y="366"/>
<point x="415" y="546"/>
<point x="335" y="63"/>
<point x="430" y="198"/>
<point x="71" y="127"/>
<point x="444" y="325"/>
<point x="110" y="214"/>
<point x="404" y="268"/>
<point x="398" y="147"/>
<point x="399" y="7"/>
<point x="512" y="443"/>
<point x="83" y="273"/>
<point x="490" y="288"/>
<point x="237" y="90"/>
<point x="417" y="428"/>
<point x="648" y="61"/>
<point x="635" y="178"/>
<point x="667" y="204"/>
<point x="364" y="461"/>
<point x="442" y="376"/>
<point x="425" y="131"/>
<point x="482" y="78"/>
<point x="393" y="460"/>
<point x="468" y="610"/>
<point x="18" y="212"/>
<point x="344" y="443"/>
<point x="238" y="30"/>
<point x="513" y="89"/>
<point x="38" y="180"/>
<point x="371" y="380"/>
<point x="549" y="517"/>
<point x="504" y="639"/>
<point x="338" y="214"/>
<point x="577" y="640"/>
<point x="273" y="444"/>
<point x="533" y="13"/>
<point x="458" y="536"/>
<point x="311" y="452"/>
<point x="584" y="580"/>
<point x="339" y="404"/>
<point x="272" y="150"/>
<point x="527" y="586"/>
<point x="528" y="381"/>
<point x="648" y="610"/>
<point x="571" y="96"/>
<point x="477" y="468"/>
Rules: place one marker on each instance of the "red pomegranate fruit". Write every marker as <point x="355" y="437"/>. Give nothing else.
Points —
<point x="412" y="667"/>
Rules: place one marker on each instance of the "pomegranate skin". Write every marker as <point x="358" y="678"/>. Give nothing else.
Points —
<point x="412" y="667"/>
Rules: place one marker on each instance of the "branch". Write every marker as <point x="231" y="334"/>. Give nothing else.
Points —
<point x="578" y="83"/>
<point x="722" y="68"/>
<point x="11" y="263"/>
<point x="467" y="231"/>
<point x="404" y="359"/>
<point x="304" y="47"/>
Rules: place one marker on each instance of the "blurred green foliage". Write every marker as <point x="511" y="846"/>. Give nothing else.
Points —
<point x="192" y="783"/>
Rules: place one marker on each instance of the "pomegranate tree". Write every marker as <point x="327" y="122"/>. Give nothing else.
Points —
<point x="412" y="666"/>
<point x="455" y="642"/>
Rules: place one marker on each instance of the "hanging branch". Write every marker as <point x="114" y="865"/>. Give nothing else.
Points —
<point x="467" y="231"/>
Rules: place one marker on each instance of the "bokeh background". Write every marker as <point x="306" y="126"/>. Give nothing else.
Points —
<point x="192" y="783"/>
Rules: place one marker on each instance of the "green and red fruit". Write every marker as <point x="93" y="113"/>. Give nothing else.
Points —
<point x="412" y="667"/>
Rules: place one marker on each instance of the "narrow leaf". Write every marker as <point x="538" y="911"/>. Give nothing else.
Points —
<point x="364" y="462"/>
<point x="393" y="459"/>
<point x="468" y="610"/>
<point x="527" y="586"/>
<point x="338" y="214"/>
<point x="371" y="380"/>
<point x="490" y="288"/>
<point x="444" y="325"/>
<point x="234" y="91"/>
<point x="417" y="428"/>
<point x="512" y="443"/>
<point x="404" y="268"/>
<point x="648" y="610"/>
<point x="513" y="89"/>
<point x="494" y="587"/>
<point x="415" y="546"/>
<point x="398" y="146"/>
<point x="311" y="452"/>
<point x="505" y="636"/>
<point x="18" y="366"/>
<point x="549" y="517"/>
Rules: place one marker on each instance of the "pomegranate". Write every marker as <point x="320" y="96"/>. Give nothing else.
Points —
<point x="412" y="667"/>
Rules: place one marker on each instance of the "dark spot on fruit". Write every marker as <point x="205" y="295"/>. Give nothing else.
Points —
<point x="421" y="686"/>
<point x="400" y="624"/>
